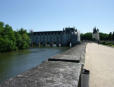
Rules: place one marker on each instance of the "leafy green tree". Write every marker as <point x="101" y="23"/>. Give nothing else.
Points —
<point x="12" y="40"/>
<point x="25" y="38"/>
<point x="1" y="28"/>
<point x="86" y="36"/>
<point x="110" y="36"/>
<point x="103" y="36"/>
<point x="113" y="36"/>
<point x="10" y="35"/>
<point x="18" y="40"/>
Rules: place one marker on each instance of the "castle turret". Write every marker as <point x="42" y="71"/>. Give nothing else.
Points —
<point x="95" y="34"/>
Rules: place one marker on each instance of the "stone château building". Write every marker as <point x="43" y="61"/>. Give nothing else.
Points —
<point x="95" y="34"/>
<point x="69" y="36"/>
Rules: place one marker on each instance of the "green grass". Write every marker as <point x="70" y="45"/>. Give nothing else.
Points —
<point x="108" y="43"/>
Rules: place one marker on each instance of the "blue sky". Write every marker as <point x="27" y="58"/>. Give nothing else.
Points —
<point x="43" y="15"/>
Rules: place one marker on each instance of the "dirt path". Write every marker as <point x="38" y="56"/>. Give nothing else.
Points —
<point x="100" y="62"/>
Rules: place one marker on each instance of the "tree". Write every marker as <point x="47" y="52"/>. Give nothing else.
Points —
<point x="1" y="28"/>
<point x="12" y="40"/>
<point x="18" y="40"/>
<point x="25" y="42"/>
<point x="103" y="36"/>
<point x="110" y="36"/>
<point x="113" y="36"/>
<point x="10" y="35"/>
<point x="86" y="36"/>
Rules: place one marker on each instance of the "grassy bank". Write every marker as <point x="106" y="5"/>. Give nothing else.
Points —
<point x="108" y="43"/>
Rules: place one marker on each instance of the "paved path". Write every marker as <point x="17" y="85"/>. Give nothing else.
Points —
<point x="100" y="62"/>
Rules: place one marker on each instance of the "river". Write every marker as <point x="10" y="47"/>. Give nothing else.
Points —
<point x="13" y="63"/>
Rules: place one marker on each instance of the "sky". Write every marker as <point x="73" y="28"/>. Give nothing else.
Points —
<point x="49" y="15"/>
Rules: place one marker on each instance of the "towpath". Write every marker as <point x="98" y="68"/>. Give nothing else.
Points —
<point x="100" y="61"/>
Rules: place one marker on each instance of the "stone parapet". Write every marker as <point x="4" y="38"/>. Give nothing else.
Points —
<point x="62" y="70"/>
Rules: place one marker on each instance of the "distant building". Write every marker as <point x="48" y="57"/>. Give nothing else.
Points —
<point x="69" y="36"/>
<point x="95" y="34"/>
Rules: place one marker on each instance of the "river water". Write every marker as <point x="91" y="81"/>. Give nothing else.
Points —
<point x="13" y="63"/>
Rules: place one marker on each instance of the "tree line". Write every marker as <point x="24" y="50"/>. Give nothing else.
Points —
<point x="86" y="36"/>
<point x="103" y="36"/>
<point x="13" y="40"/>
